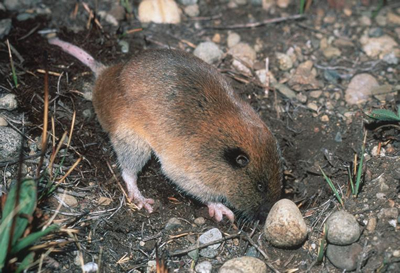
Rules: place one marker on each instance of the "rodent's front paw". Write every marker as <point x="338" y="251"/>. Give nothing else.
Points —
<point x="142" y="202"/>
<point x="218" y="210"/>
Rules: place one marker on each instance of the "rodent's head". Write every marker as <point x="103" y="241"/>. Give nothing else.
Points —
<point x="244" y="166"/>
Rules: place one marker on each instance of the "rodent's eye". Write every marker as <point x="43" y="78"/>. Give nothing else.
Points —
<point x="242" y="160"/>
<point x="236" y="157"/>
<point x="260" y="187"/>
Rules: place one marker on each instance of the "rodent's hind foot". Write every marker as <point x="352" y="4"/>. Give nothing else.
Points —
<point x="134" y="194"/>
<point x="218" y="210"/>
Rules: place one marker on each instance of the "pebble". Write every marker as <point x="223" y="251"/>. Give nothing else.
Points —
<point x="3" y="122"/>
<point x="20" y="4"/>
<point x="243" y="52"/>
<point x="199" y="221"/>
<point x="374" y="152"/>
<point x="378" y="47"/>
<point x="233" y="39"/>
<point x="252" y="252"/>
<point x="104" y="201"/>
<point x="283" y="3"/>
<point x="240" y="2"/>
<point x="173" y="223"/>
<point x="396" y="253"/>
<point x="343" y="228"/>
<point x="243" y="264"/>
<point x="381" y="20"/>
<point x="388" y="213"/>
<point x="344" y="257"/>
<point x="359" y="88"/>
<point x="188" y="2"/>
<point x="284" y="90"/>
<point x="5" y="27"/>
<point x="8" y="102"/>
<point x="284" y="61"/>
<point x="312" y="106"/>
<point x="325" y="118"/>
<point x="390" y="58"/>
<point x="331" y="52"/>
<point x="208" y="52"/>
<point x="108" y="18"/>
<point x="371" y="226"/>
<point x="90" y="267"/>
<point x="365" y="21"/>
<point x="315" y="94"/>
<point x="118" y="12"/>
<point x="10" y="143"/>
<point x="375" y="32"/>
<point x="208" y="237"/>
<point x="151" y="266"/>
<point x="285" y="226"/>
<point x="192" y="10"/>
<point x="69" y="200"/>
<point x="331" y="75"/>
<point x="203" y="267"/>
<point x="393" y="18"/>
<point x="239" y="66"/>
<point x="338" y="137"/>
<point x="159" y="11"/>
<point x="304" y="77"/>
<point x="301" y="97"/>
<point x="216" y="38"/>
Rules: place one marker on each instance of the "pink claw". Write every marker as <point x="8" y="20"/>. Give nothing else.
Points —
<point x="218" y="210"/>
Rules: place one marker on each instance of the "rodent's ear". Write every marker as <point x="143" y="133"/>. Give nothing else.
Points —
<point x="236" y="157"/>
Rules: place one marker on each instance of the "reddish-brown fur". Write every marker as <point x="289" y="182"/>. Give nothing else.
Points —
<point x="182" y="109"/>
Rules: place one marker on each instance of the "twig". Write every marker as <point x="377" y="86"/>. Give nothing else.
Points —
<point x="262" y="23"/>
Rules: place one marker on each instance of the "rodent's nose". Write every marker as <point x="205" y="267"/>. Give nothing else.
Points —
<point x="263" y="212"/>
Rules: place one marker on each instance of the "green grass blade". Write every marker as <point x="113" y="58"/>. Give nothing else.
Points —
<point x="330" y="183"/>
<point x="302" y="6"/>
<point x="350" y="179"/>
<point x="28" y="260"/>
<point x="32" y="238"/>
<point x="384" y="115"/>
<point x="360" y="167"/>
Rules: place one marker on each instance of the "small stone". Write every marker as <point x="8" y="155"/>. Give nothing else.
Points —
<point x="108" y="18"/>
<point x="283" y="3"/>
<point x="301" y="97"/>
<point x="161" y="12"/>
<point x="388" y="213"/>
<point x="199" y="221"/>
<point x="90" y="267"/>
<point x="344" y="257"/>
<point x="216" y="38"/>
<point x="268" y="4"/>
<point x="69" y="200"/>
<point x="396" y="253"/>
<point x="252" y="252"/>
<point x="331" y="75"/>
<point x="208" y="52"/>
<point x="374" y="152"/>
<point x="338" y="137"/>
<point x="188" y="2"/>
<point x="8" y="102"/>
<point x="118" y="12"/>
<point x="104" y="201"/>
<point x="10" y="143"/>
<point x="343" y="228"/>
<point x="325" y="118"/>
<point x="173" y="223"/>
<point x="381" y="195"/>
<point x="284" y="61"/>
<point x="3" y="122"/>
<point x="208" y="237"/>
<point x="371" y="226"/>
<point x="240" y="2"/>
<point x="347" y="12"/>
<point x="239" y="66"/>
<point x="243" y="265"/>
<point x="312" y="106"/>
<point x="87" y="113"/>
<point x="284" y="90"/>
<point x="243" y="52"/>
<point x="233" y="39"/>
<point x="151" y="267"/>
<point x="393" y="18"/>
<point x="331" y="52"/>
<point x="304" y="78"/>
<point x="360" y="88"/>
<point x="285" y="226"/>
<point x="375" y="32"/>
<point x="381" y="20"/>
<point x="203" y="267"/>
<point x="5" y="27"/>
<point x="365" y="21"/>
<point x="192" y="10"/>
<point x="16" y="5"/>
<point x="315" y="94"/>
<point x="380" y="46"/>
<point x="390" y="58"/>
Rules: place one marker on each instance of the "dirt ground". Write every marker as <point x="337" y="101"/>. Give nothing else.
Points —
<point x="122" y="239"/>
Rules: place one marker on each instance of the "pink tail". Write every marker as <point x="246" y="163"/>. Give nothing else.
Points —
<point x="80" y="54"/>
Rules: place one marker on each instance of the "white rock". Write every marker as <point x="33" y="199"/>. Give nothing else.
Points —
<point x="343" y="228"/>
<point x="8" y="102"/>
<point x="192" y="10"/>
<point x="283" y="3"/>
<point x="360" y="88"/>
<point x="243" y="264"/>
<point x="208" y="52"/>
<point x="233" y="39"/>
<point x="284" y="61"/>
<point x="203" y="267"/>
<point x="90" y="267"/>
<point x="393" y="18"/>
<point x="3" y="122"/>
<point x="10" y="143"/>
<point x="159" y="11"/>
<point x="379" y="46"/>
<point x="208" y="237"/>
<point x="285" y="226"/>
<point x="243" y="52"/>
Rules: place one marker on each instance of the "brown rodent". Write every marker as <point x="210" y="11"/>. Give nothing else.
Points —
<point x="211" y="144"/>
